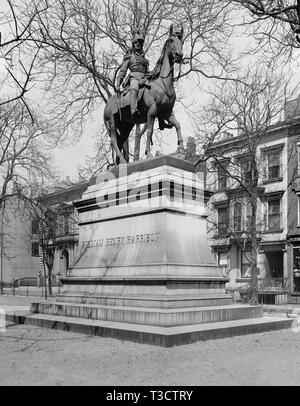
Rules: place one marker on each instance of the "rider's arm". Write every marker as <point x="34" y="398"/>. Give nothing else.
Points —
<point x="123" y="71"/>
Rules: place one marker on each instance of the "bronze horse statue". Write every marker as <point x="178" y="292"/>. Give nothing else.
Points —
<point x="156" y="100"/>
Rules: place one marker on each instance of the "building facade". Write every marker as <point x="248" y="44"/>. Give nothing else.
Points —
<point x="278" y="207"/>
<point x="59" y="241"/>
<point x="17" y="258"/>
<point x="22" y="254"/>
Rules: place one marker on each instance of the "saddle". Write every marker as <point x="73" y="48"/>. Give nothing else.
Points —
<point x="124" y="99"/>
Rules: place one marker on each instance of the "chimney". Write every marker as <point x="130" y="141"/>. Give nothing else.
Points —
<point x="191" y="146"/>
<point x="292" y="109"/>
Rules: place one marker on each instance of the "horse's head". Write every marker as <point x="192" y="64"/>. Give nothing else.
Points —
<point x="175" y="43"/>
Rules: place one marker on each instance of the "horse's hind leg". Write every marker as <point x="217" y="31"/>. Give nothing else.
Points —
<point x="114" y="143"/>
<point x="177" y="125"/>
<point x="137" y="143"/>
<point x="126" y="150"/>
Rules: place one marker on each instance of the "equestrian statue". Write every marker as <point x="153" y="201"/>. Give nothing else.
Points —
<point x="145" y="96"/>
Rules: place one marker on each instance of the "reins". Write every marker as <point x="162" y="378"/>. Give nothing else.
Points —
<point x="164" y="88"/>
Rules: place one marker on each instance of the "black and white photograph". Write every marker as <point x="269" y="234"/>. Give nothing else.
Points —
<point x="149" y="196"/>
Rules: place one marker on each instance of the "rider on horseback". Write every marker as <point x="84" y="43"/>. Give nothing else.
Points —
<point x="138" y="65"/>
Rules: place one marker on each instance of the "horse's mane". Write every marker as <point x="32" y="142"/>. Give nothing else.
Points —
<point x="156" y="71"/>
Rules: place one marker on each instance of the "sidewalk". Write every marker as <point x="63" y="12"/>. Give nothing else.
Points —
<point x="288" y="310"/>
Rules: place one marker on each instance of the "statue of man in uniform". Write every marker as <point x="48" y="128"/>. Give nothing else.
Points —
<point x="138" y="65"/>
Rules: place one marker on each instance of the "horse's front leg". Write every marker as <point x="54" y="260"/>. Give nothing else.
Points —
<point x="177" y="125"/>
<point x="150" y="126"/>
<point x="114" y="143"/>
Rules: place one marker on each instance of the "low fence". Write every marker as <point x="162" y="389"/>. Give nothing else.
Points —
<point x="29" y="287"/>
<point x="265" y="296"/>
<point x="34" y="282"/>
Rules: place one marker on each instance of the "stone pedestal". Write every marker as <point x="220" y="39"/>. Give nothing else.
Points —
<point x="143" y="233"/>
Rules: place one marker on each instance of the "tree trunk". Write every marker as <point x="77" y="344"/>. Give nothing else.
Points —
<point x="254" y="245"/>
<point x="254" y="287"/>
<point x="49" y="280"/>
<point x="45" y="277"/>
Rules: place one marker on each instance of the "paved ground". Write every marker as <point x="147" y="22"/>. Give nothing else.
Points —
<point x="35" y="356"/>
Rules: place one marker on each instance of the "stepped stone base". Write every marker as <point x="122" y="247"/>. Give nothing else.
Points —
<point x="149" y="316"/>
<point x="162" y="302"/>
<point x="162" y="336"/>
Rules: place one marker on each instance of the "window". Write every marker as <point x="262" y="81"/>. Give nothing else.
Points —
<point x="50" y="231"/>
<point x="245" y="264"/>
<point x="222" y="176"/>
<point x="274" y="165"/>
<point x="222" y="220"/>
<point x="35" y="226"/>
<point x="223" y="262"/>
<point x="246" y="171"/>
<point x="298" y="210"/>
<point x="66" y="224"/>
<point x="35" y="249"/>
<point x="249" y="217"/>
<point x="237" y="217"/>
<point x="222" y="259"/>
<point x="274" y="214"/>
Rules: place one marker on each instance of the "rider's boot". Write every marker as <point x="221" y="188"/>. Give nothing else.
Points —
<point x="133" y="103"/>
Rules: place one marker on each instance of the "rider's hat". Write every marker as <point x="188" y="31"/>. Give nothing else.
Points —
<point x="136" y="36"/>
<point x="176" y="30"/>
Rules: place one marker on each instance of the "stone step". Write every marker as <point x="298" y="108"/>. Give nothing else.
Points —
<point x="163" y="336"/>
<point x="162" y="302"/>
<point x="149" y="316"/>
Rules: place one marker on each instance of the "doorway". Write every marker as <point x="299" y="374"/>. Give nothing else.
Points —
<point x="275" y="266"/>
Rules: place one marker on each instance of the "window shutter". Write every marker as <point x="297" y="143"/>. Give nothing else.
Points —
<point x="280" y="164"/>
<point x="281" y="215"/>
<point x="298" y="160"/>
<point x="265" y="216"/>
<point x="265" y="166"/>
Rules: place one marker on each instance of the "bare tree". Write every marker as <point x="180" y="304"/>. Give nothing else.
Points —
<point x="25" y="151"/>
<point x="17" y="63"/>
<point x="82" y="42"/>
<point x="52" y="222"/>
<point x="276" y="21"/>
<point x="245" y="112"/>
<point x="25" y="163"/>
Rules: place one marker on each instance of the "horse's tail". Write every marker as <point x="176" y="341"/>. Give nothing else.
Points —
<point x="108" y="129"/>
